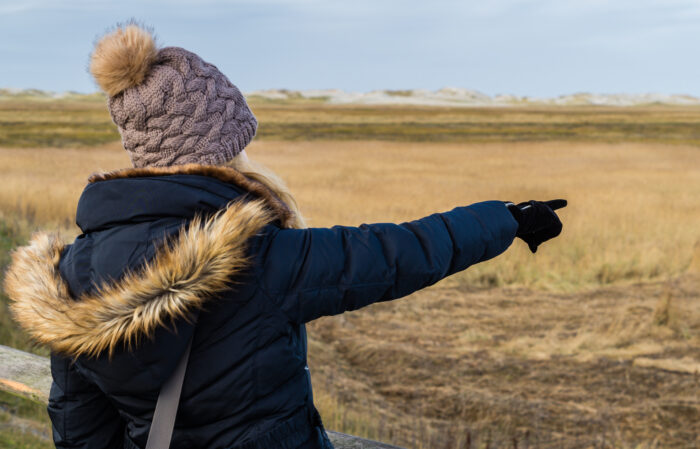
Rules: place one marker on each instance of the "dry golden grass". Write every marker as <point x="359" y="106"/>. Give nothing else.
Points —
<point x="614" y="367"/>
<point x="43" y="185"/>
<point x="632" y="214"/>
<point x="632" y="207"/>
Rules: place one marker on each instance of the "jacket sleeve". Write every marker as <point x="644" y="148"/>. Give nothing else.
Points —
<point x="316" y="272"/>
<point x="81" y="415"/>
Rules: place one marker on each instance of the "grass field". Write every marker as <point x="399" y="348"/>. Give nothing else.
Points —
<point x="85" y="123"/>
<point x="630" y="217"/>
<point x="592" y="342"/>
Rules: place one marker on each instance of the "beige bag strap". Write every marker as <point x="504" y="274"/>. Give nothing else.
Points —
<point x="166" y="407"/>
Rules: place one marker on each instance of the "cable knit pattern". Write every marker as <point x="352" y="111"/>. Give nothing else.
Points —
<point x="185" y="111"/>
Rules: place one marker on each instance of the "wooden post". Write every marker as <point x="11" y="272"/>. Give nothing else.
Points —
<point x="25" y="374"/>
<point x="29" y="376"/>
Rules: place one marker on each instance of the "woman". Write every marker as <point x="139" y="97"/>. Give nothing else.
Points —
<point x="196" y="242"/>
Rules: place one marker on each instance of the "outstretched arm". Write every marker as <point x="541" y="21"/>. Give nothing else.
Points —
<point x="315" y="272"/>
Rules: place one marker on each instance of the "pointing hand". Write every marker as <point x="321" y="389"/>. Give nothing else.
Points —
<point x="537" y="221"/>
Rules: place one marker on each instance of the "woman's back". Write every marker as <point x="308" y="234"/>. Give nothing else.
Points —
<point x="244" y="349"/>
<point x="247" y="381"/>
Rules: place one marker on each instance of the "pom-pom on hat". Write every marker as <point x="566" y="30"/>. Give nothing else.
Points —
<point x="170" y="106"/>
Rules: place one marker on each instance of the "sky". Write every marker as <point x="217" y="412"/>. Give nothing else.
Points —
<point x="541" y="48"/>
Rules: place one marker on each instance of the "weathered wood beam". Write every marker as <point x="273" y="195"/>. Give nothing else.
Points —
<point x="343" y="441"/>
<point x="25" y="374"/>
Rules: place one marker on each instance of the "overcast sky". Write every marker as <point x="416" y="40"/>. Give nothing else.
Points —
<point x="523" y="47"/>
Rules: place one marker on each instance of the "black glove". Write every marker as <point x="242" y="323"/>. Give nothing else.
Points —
<point x="537" y="221"/>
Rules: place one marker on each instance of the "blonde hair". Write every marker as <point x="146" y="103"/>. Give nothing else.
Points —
<point x="268" y="178"/>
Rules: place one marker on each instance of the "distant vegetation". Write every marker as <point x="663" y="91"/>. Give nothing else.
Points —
<point x="10" y="334"/>
<point x="74" y="121"/>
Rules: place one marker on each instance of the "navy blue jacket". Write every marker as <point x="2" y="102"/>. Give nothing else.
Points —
<point x="247" y="384"/>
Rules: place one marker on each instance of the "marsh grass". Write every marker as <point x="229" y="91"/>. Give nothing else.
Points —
<point x="630" y="218"/>
<point x="23" y="424"/>
<point x="592" y="342"/>
<point x="13" y="232"/>
<point x="85" y="122"/>
<point x="56" y="124"/>
<point x="612" y="367"/>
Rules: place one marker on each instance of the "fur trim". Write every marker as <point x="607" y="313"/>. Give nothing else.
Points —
<point x="122" y="58"/>
<point x="185" y="271"/>
<point x="222" y="173"/>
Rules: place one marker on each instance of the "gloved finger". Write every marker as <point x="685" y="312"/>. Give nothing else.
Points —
<point x="556" y="204"/>
<point x="533" y="247"/>
<point x="537" y="238"/>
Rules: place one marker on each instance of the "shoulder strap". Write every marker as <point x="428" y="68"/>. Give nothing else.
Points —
<point x="166" y="408"/>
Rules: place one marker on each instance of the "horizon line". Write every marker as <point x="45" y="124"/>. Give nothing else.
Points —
<point x="15" y="90"/>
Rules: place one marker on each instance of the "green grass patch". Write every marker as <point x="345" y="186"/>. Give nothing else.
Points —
<point x="23" y="408"/>
<point x="58" y="124"/>
<point x="23" y="424"/>
<point x="11" y="236"/>
<point x="686" y="133"/>
<point x="18" y="438"/>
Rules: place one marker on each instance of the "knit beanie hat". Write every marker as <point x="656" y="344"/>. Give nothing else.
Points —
<point x="170" y="106"/>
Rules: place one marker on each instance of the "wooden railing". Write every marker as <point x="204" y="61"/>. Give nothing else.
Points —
<point x="29" y="376"/>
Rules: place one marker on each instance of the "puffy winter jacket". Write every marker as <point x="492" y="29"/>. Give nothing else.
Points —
<point x="161" y="248"/>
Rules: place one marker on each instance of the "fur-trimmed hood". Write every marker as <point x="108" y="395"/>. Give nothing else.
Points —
<point x="186" y="270"/>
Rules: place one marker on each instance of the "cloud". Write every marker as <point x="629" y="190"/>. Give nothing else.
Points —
<point x="19" y="7"/>
<point x="23" y="6"/>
